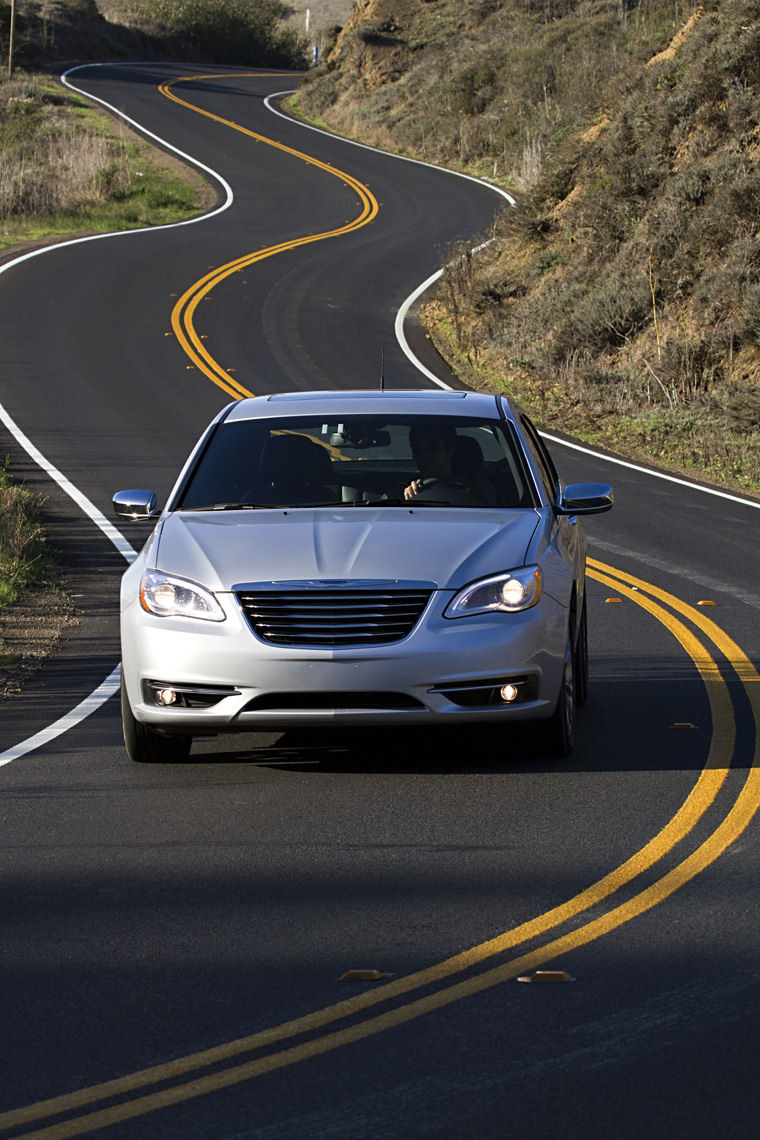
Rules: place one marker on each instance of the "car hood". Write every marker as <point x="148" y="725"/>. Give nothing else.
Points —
<point x="441" y="546"/>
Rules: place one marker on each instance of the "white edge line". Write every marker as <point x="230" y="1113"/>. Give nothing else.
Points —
<point x="110" y="685"/>
<point x="427" y="284"/>
<point x="69" y="720"/>
<point x="401" y="316"/>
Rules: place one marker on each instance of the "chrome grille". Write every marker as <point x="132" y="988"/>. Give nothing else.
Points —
<point x="330" y="617"/>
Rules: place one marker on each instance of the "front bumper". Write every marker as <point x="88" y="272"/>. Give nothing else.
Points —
<point x="443" y="672"/>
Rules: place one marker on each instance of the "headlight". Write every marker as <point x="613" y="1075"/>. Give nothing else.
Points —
<point x="509" y="593"/>
<point x="168" y="596"/>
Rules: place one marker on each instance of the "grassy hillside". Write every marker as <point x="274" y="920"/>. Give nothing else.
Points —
<point x="621" y="299"/>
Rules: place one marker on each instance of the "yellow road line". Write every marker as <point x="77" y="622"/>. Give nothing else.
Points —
<point x="700" y="798"/>
<point x="183" y="313"/>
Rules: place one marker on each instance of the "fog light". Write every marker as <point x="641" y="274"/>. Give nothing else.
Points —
<point x="166" y="696"/>
<point x="509" y="693"/>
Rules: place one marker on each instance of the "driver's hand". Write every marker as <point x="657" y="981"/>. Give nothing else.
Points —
<point x="413" y="489"/>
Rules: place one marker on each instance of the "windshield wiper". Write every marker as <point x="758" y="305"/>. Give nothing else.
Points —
<point x="397" y="503"/>
<point x="227" y="507"/>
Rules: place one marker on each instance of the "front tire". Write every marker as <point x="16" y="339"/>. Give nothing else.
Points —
<point x="581" y="659"/>
<point x="557" y="734"/>
<point x="143" y="745"/>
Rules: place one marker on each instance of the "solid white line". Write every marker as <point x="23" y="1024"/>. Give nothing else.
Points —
<point x="401" y="316"/>
<point x="69" y="720"/>
<point x="105" y="690"/>
<point x="403" y="313"/>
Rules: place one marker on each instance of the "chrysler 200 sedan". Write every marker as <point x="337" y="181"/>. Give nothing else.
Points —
<point x="352" y="559"/>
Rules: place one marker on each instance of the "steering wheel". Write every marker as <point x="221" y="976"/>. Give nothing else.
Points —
<point x="443" y="481"/>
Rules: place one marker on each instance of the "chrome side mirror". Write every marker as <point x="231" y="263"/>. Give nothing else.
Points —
<point x="135" y="505"/>
<point x="586" y="499"/>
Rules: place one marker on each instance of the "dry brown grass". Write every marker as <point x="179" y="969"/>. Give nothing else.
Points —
<point x="60" y="173"/>
<point x="51" y="159"/>
<point x="29" y="579"/>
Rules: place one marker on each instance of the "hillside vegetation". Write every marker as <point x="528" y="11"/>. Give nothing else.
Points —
<point x="249" y="32"/>
<point x="621" y="298"/>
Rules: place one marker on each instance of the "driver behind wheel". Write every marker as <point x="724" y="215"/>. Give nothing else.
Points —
<point x="434" y="448"/>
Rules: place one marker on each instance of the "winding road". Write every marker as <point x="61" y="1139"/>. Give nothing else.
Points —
<point x="174" y="940"/>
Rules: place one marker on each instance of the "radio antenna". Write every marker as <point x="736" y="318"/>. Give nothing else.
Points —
<point x="382" y="367"/>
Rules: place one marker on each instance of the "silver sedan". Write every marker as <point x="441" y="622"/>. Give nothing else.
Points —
<point x="357" y="558"/>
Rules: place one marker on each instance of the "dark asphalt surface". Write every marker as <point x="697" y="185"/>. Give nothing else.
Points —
<point x="148" y="914"/>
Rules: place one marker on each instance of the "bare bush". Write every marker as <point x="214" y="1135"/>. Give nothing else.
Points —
<point x="529" y="170"/>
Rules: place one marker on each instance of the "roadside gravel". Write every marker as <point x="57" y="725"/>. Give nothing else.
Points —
<point x="30" y="631"/>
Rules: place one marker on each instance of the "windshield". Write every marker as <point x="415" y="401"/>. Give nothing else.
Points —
<point x="318" y="461"/>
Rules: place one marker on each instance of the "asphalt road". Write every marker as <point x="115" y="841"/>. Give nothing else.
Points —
<point x="152" y="916"/>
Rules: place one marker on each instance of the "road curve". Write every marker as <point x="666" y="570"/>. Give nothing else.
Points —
<point x="182" y="933"/>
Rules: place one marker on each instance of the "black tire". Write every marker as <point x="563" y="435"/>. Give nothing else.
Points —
<point x="557" y="734"/>
<point x="143" y="745"/>
<point x="581" y="659"/>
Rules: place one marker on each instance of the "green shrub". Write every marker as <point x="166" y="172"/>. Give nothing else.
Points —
<point x="470" y="91"/>
<point x="607" y="315"/>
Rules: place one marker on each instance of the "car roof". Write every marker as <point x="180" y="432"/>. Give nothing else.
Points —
<point x="361" y="402"/>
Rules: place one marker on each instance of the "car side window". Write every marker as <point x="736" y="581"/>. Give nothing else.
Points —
<point x="544" y="461"/>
